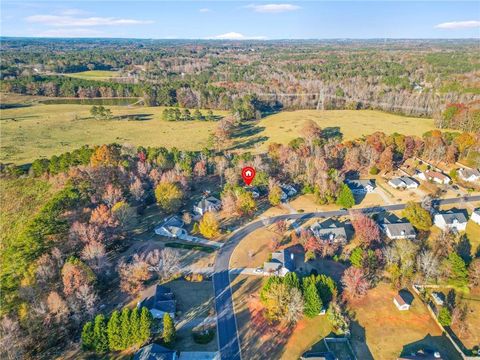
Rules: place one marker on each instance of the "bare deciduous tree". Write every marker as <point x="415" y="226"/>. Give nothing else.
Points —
<point x="428" y="264"/>
<point x="11" y="339"/>
<point x="165" y="262"/>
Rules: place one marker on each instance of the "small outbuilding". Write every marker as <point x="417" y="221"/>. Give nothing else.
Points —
<point x="401" y="303"/>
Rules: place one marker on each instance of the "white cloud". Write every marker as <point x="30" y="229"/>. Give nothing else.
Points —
<point x="70" y="21"/>
<point x="236" y="36"/>
<point x="204" y="10"/>
<point x="459" y="25"/>
<point x="273" y="8"/>
<point x="67" y="33"/>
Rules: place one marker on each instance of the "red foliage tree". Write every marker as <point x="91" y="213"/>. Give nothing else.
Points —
<point x="366" y="228"/>
<point x="355" y="285"/>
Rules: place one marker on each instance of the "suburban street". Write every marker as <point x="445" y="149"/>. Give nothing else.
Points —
<point x="229" y="345"/>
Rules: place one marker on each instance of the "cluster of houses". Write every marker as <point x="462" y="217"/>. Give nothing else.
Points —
<point x="394" y="228"/>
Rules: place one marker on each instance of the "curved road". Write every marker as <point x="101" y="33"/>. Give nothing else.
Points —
<point x="228" y="342"/>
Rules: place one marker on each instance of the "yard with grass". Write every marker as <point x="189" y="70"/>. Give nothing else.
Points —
<point x="258" y="338"/>
<point x="44" y="130"/>
<point x="388" y="332"/>
<point x="471" y="337"/>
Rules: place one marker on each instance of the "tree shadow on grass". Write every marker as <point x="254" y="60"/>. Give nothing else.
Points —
<point x="134" y="117"/>
<point x="249" y="143"/>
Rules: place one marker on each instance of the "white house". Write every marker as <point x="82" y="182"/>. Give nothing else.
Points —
<point x="401" y="230"/>
<point x="361" y="186"/>
<point x="434" y="176"/>
<point x="403" y="182"/>
<point x="400" y="303"/>
<point x="207" y="204"/>
<point x="451" y="220"/>
<point x="171" y="227"/>
<point x="470" y="175"/>
<point x="476" y="216"/>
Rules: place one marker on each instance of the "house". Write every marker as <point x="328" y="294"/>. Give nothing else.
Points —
<point x="400" y="303"/>
<point x="288" y="189"/>
<point x="171" y="227"/>
<point x="423" y="355"/>
<point x="207" y="204"/>
<point x="282" y="262"/>
<point x="476" y="216"/>
<point x="254" y="191"/>
<point x="329" y="233"/>
<point x="451" y="220"/>
<point x="403" y="182"/>
<point x="361" y="186"/>
<point x="399" y="230"/>
<point x="155" y="352"/>
<point x="434" y="176"/>
<point x="438" y="298"/>
<point x="470" y="175"/>
<point x="159" y="300"/>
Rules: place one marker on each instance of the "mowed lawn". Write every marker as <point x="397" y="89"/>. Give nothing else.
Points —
<point x="389" y="331"/>
<point x="45" y="130"/>
<point x="286" y="125"/>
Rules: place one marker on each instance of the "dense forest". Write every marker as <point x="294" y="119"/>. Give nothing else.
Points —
<point x="412" y="77"/>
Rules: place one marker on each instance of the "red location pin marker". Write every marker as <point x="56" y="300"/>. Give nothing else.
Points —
<point x="248" y="174"/>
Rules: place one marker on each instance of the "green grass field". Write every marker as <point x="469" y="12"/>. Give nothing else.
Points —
<point x="94" y="75"/>
<point x="41" y="130"/>
<point x="20" y="199"/>
<point x="45" y="130"/>
<point x="286" y="125"/>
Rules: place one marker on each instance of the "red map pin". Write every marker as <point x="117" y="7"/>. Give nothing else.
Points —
<point x="248" y="174"/>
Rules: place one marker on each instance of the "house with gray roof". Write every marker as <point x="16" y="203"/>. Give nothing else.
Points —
<point x="159" y="300"/>
<point x="476" y="216"/>
<point x="171" y="227"/>
<point x="399" y="230"/>
<point x="469" y="175"/>
<point x="451" y="220"/>
<point x="361" y="186"/>
<point x="155" y="352"/>
<point x="210" y="203"/>
<point x="329" y="232"/>
<point x="282" y="262"/>
<point x="403" y="182"/>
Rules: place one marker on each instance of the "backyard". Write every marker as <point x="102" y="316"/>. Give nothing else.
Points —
<point x="388" y="331"/>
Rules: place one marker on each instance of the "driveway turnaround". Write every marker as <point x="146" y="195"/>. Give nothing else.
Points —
<point x="228" y="342"/>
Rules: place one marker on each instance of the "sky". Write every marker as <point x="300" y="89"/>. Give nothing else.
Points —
<point x="241" y="20"/>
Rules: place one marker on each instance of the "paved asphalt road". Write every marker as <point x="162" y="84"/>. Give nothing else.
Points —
<point x="229" y="345"/>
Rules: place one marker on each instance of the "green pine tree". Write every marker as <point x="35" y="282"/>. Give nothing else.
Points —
<point x="168" y="329"/>
<point x="125" y="332"/>
<point x="114" y="332"/>
<point x="146" y="321"/>
<point x="87" y="336"/>
<point x="356" y="257"/>
<point x="313" y="303"/>
<point x="291" y="280"/>
<point x="345" y="197"/>
<point x="100" y="334"/>
<point x="327" y="288"/>
<point x="135" y="326"/>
